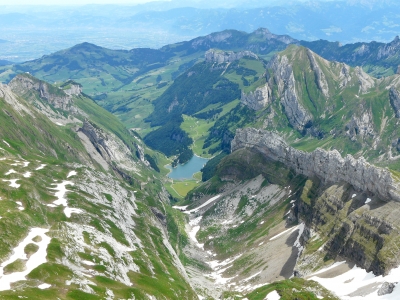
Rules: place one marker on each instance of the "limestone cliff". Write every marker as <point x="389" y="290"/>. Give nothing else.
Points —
<point x="320" y="76"/>
<point x="258" y="99"/>
<point x="329" y="166"/>
<point x="394" y="97"/>
<point x="22" y="84"/>
<point x="109" y="150"/>
<point x="218" y="56"/>
<point x="284" y="79"/>
<point x="365" y="81"/>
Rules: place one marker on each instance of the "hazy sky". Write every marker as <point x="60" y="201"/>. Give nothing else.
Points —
<point x="71" y="2"/>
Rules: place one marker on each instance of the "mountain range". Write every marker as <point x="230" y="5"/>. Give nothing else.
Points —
<point x="298" y="201"/>
<point x="33" y="31"/>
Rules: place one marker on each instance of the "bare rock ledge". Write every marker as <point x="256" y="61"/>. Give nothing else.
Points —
<point x="329" y="166"/>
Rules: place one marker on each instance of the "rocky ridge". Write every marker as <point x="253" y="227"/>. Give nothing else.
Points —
<point x="218" y="56"/>
<point x="258" y="99"/>
<point x="394" y="97"/>
<point x="22" y="84"/>
<point x="329" y="166"/>
<point x="111" y="150"/>
<point x="284" y="78"/>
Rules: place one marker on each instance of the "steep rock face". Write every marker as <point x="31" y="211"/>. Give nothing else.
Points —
<point x="329" y="166"/>
<point x="361" y="126"/>
<point x="389" y="49"/>
<point x="298" y="116"/>
<point x="320" y="76"/>
<point x="22" y="84"/>
<point x="349" y="224"/>
<point x="218" y="56"/>
<point x="344" y="75"/>
<point x="258" y="99"/>
<point x="394" y="97"/>
<point x="112" y="150"/>
<point x="366" y="82"/>
<point x="8" y="96"/>
<point x="74" y="89"/>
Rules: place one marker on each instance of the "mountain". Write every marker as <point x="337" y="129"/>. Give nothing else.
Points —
<point x="164" y="22"/>
<point x="313" y="101"/>
<point x="120" y="80"/>
<point x="312" y="191"/>
<point x="5" y="62"/>
<point x="377" y="59"/>
<point x="77" y="218"/>
<point x="299" y="201"/>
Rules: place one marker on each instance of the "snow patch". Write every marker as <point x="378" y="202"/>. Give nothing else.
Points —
<point x="181" y="208"/>
<point x="273" y="296"/>
<point x="68" y="211"/>
<point x="252" y="276"/>
<point x="6" y="143"/>
<point x="44" y="286"/>
<point x="10" y="172"/>
<point x="203" y="205"/>
<point x="40" y="167"/>
<point x="356" y="279"/>
<point x="368" y="200"/>
<point x="72" y="173"/>
<point x="61" y="191"/>
<point x="33" y="261"/>
<point x="290" y="230"/>
<point x="195" y="227"/>
<point x="27" y="174"/>
<point x="352" y="196"/>
<point x="89" y="263"/>
<point x="13" y="183"/>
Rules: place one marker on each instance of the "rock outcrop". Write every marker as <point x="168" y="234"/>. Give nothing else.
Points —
<point x="111" y="149"/>
<point x="329" y="166"/>
<point x="394" y="97"/>
<point x="344" y="75"/>
<point x="366" y="82"/>
<point x="258" y="99"/>
<point x="361" y="126"/>
<point x="9" y="97"/>
<point x="386" y="288"/>
<point x="24" y="83"/>
<point x="73" y="89"/>
<point x="266" y="34"/>
<point x="320" y="76"/>
<point x="219" y="56"/>
<point x="389" y="49"/>
<point x="298" y="116"/>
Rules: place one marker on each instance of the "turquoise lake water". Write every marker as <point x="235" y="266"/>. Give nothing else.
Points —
<point x="187" y="170"/>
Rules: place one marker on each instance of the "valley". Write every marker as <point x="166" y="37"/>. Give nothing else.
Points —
<point x="292" y="185"/>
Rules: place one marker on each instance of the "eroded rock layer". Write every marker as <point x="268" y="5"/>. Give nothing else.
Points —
<point x="329" y="166"/>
